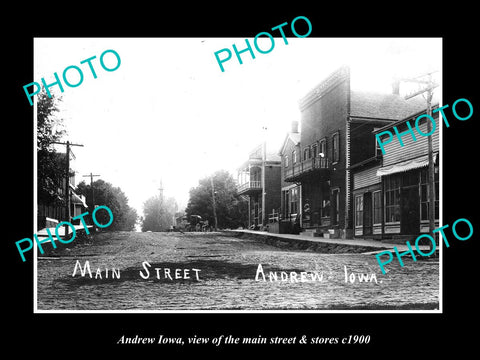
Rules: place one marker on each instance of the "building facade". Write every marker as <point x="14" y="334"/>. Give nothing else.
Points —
<point x="259" y="180"/>
<point x="336" y="133"/>
<point x="291" y="197"/>
<point x="391" y="190"/>
<point x="51" y="213"/>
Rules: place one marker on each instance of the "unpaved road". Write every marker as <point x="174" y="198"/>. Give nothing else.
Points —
<point x="216" y="271"/>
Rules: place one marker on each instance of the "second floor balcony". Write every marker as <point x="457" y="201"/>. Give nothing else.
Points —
<point x="316" y="165"/>
<point x="249" y="187"/>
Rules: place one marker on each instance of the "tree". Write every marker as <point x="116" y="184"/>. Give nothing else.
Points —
<point x="158" y="214"/>
<point x="231" y="209"/>
<point x="50" y="164"/>
<point x="124" y="216"/>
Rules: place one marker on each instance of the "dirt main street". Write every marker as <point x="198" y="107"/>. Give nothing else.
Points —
<point x="217" y="271"/>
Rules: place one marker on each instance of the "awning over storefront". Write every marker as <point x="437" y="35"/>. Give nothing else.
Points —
<point x="403" y="166"/>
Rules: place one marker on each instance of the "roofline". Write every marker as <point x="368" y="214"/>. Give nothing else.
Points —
<point x="370" y="160"/>
<point x="336" y="77"/>
<point x="404" y="120"/>
<point x="259" y="162"/>
<point x="288" y="136"/>
<point x="354" y="118"/>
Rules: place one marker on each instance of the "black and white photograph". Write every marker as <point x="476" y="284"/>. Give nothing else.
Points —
<point x="216" y="181"/>
<point x="279" y="174"/>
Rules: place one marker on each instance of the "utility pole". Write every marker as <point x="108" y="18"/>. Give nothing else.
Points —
<point x="214" y="205"/>
<point x="160" y="213"/>
<point x="161" y="191"/>
<point x="175" y="213"/>
<point x="67" y="181"/>
<point x="264" y="160"/>
<point x="429" y="85"/>
<point x="91" y="188"/>
<point x="93" y="195"/>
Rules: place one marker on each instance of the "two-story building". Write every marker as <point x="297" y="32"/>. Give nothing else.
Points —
<point x="291" y="198"/>
<point x="51" y="213"/>
<point x="336" y="132"/>
<point x="391" y="189"/>
<point x="259" y="180"/>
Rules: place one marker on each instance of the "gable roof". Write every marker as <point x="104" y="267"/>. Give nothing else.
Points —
<point x="384" y="106"/>
<point x="272" y="157"/>
<point x="293" y="137"/>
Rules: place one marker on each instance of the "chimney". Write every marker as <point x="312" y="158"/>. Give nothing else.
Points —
<point x="396" y="87"/>
<point x="294" y="126"/>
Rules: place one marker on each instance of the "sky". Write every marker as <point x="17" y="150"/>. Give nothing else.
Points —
<point x="169" y="114"/>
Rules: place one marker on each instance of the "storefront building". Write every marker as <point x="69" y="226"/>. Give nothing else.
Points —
<point x="391" y="190"/>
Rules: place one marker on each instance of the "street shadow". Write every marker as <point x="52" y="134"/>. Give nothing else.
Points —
<point x="167" y="273"/>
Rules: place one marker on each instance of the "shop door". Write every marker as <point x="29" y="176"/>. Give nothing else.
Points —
<point x="410" y="210"/>
<point x="335" y="206"/>
<point x="367" y="213"/>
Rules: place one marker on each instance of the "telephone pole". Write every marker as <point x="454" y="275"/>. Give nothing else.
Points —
<point x="428" y="87"/>
<point x="67" y="181"/>
<point x="161" y="208"/>
<point x="91" y="188"/>
<point x="213" y="202"/>
<point x="264" y="161"/>
<point x="161" y="191"/>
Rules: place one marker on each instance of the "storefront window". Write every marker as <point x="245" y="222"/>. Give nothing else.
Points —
<point x="392" y="198"/>
<point x="359" y="210"/>
<point x="424" y="195"/>
<point x="377" y="207"/>
<point x="294" y="201"/>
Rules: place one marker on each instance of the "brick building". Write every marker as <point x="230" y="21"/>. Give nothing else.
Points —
<point x="336" y="132"/>
<point x="291" y="198"/>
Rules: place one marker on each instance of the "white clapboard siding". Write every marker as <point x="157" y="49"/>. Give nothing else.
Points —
<point x="395" y="153"/>
<point x="366" y="177"/>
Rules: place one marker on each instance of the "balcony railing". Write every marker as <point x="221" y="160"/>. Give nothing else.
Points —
<point x="298" y="169"/>
<point x="249" y="185"/>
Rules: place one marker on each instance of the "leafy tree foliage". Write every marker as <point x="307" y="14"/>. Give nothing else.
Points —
<point x="124" y="216"/>
<point x="231" y="209"/>
<point x="158" y="214"/>
<point x="50" y="164"/>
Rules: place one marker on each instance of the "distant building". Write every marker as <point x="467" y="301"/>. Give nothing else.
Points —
<point x="336" y="132"/>
<point x="259" y="180"/>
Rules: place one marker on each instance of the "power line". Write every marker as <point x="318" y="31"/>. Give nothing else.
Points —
<point x="428" y="87"/>
<point x="214" y="205"/>
<point x="161" y="190"/>
<point x="91" y="188"/>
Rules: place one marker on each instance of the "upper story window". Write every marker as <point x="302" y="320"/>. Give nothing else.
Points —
<point x="294" y="156"/>
<point x="286" y="161"/>
<point x="306" y="153"/>
<point x="336" y="147"/>
<point x="323" y="147"/>
<point x="314" y="150"/>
